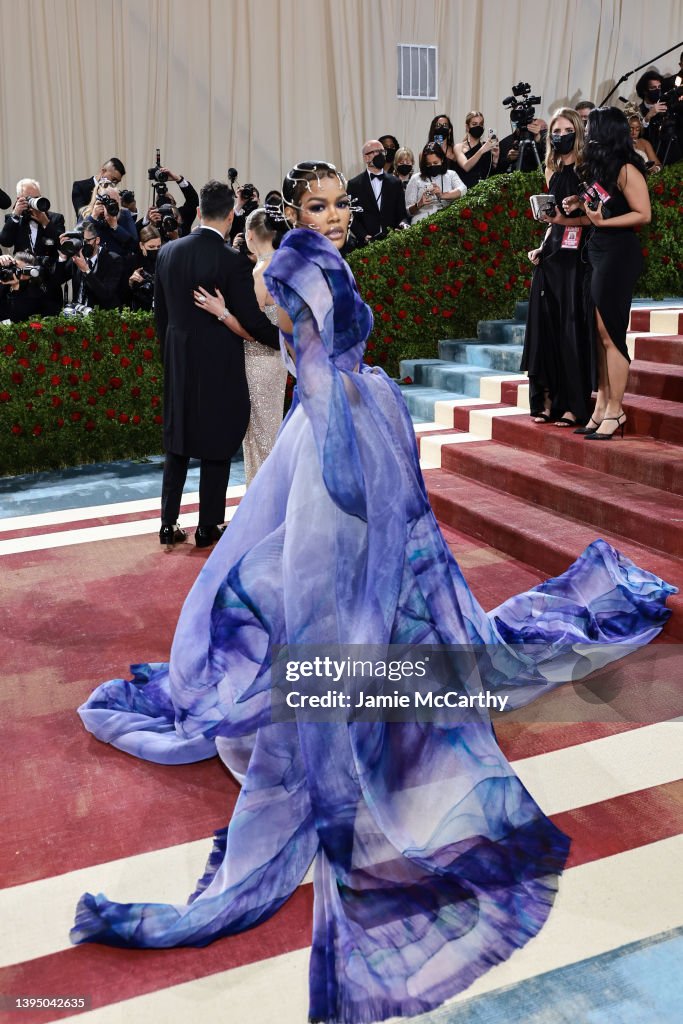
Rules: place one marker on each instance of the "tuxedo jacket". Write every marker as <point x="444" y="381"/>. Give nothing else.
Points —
<point x="81" y="191"/>
<point x="5" y="201"/>
<point x="206" y="399"/>
<point x="100" y="287"/>
<point x="16" y="235"/>
<point x="374" y="220"/>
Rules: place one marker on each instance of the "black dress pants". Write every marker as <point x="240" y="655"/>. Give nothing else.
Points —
<point x="213" y="483"/>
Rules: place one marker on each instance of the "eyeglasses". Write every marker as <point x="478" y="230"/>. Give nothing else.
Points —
<point x="374" y="152"/>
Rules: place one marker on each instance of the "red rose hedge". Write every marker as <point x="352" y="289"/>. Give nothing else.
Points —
<point x="90" y="390"/>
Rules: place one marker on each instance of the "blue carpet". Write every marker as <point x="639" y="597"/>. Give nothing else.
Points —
<point x="636" y="984"/>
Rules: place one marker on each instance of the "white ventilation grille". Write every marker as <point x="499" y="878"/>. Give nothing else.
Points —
<point x="417" y="72"/>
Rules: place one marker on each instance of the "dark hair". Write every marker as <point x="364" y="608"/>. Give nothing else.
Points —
<point x="449" y="133"/>
<point x="148" y="233"/>
<point x="298" y="179"/>
<point x="644" y="79"/>
<point x="585" y="105"/>
<point x="432" y="149"/>
<point x="116" y="164"/>
<point x="26" y="257"/>
<point x="216" y="200"/>
<point x="93" y="226"/>
<point x="392" y="138"/>
<point x="608" y="147"/>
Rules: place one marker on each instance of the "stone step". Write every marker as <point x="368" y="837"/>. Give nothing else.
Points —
<point x="644" y="514"/>
<point x="448" y="345"/>
<point x="639" y="459"/>
<point x="505" y="358"/>
<point x="501" y="332"/>
<point x="421" y="401"/>
<point x="457" y="378"/>
<point x="537" y="536"/>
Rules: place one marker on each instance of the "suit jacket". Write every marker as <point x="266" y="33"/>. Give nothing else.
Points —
<point x="206" y="400"/>
<point x="100" y="287"/>
<point x="81" y="191"/>
<point x="16" y="235"/>
<point x="373" y="220"/>
<point x="5" y="201"/>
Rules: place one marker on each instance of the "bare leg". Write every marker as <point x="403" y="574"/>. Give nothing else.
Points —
<point x="612" y="379"/>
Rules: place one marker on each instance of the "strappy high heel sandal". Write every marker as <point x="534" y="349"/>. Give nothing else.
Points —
<point x="588" y="429"/>
<point x="620" y="424"/>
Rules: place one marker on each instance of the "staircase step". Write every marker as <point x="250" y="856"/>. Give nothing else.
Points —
<point x="646" y="515"/>
<point x="501" y="332"/>
<point x="540" y="538"/>
<point x="656" y="379"/>
<point x="660" y="348"/>
<point x="448" y="345"/>
<point x="640" y="459"/>
<point x="657" y="320"/>
<point x="522" y="311"/>
<point x="505" y="358"/>
<point x="416" y="369"/>
<point x="654" y="417"/>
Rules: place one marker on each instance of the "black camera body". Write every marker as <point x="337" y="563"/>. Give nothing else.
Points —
<point x="522" y="111"/>
<point x="146" y="286"/>
<point x="71" y="244"/>
<point x="8" y="273"/>
<point x="127" y="195"/>
<point x="247" y="192"/>
<point x="169" y="221"/>
<point x="110" y="204"/>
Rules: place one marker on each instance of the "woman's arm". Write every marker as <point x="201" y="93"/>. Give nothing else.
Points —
<point x="215" y="304"/>
<point x="634" y="187"/>
<point x="467" y="165"/>
<point x="649" y="152"/>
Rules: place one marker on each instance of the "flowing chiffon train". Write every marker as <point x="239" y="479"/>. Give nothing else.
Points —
<point x="432" y="861"/>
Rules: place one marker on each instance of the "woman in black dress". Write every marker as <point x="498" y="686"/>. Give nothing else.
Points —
<point x="476" y="159"/>
<point x="557" y="354"/>
<point x="441" y="132"/>
<point x="614" y="257"/>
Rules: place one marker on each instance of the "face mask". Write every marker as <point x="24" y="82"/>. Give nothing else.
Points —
<point x="391" y="153"/>
<point x="379" y="161"/>
<point x="88" y="250"/>
<point x="476" y="131"/>
<point x="654" y="94"/>
<point x="434" y="172"/>
<point x="563" y="143"/>
<point x="151" y="255"/>
<point x="404" y="168"/>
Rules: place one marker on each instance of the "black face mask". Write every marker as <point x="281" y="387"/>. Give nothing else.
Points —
<point x="389" y="159"/>
<point x="434" y="172"/>
<point x="88" y="250"/>
<point x="379" y="161"/>
<point x="654" y="94"/>
<point x="476" y="131"/>
<point x="563" y="144"/>
<point x="404" y="168"/>
<point x="151" y="256"/>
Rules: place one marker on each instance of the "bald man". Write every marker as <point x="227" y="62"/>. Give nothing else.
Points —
<point x="381" y="196"/>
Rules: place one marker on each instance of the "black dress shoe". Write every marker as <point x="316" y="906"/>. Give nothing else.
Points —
<point x="205" y="536"/>
<point x="170" y="535"/>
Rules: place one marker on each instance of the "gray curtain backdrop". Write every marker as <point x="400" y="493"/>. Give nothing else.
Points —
<point x="260" y="84"/>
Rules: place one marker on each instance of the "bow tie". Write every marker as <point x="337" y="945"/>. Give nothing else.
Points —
<point x="377" y="177"/>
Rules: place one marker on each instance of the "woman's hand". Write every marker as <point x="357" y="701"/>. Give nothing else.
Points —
<point x="535" y="256"/>
<point x="572" y="203"/>
<point x="436" y="192"/>
<point x="595" y="216"/>
<point x="211" y="303"/>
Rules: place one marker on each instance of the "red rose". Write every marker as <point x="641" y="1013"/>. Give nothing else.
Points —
<point x="379" y="307"/>
<point x="71" y="328"/>
<point x="124" y="327"/>
<point x="37" y="430"/>
<point x="466" y="213"/>
<point x="36" y="326"/>
<point x="16" y="429"/>
<point x="666" y="260"/>
<point x="115" y="382"/>
<point x="85" y="344"/>
<point x="66" y="360"/>
<point x="125" y="362"/>
<point x="92" y="400"/>
<point x="418" y="319"/>
<point x="158" y="419"/>
<point x="75" y="396"/>
<point x="131" y="346"/>
<point x="73" y="378"/>
<point x="386" y="316"/>
<point x="490" y="272"/>
<point x="134" y="335"/>
<point x="116" y="349"/>
<point x="97" y="356"/>
<point x="155" y="398"/>
<point x="135" y="392"/>
<point x="110" y="334"/>
<point x="76" y="363"/>
<point x="59" y="330"/>
<point x="468" y="245"/>
<point x="17" y="377"/>
<point x="136" y="419"/>
<point x="90" y="425"/>
<point x="24" y="362"/>
<point x="407" y="380"/>
<point x="384" y="259"/>
<point x="147" y="354"/>
<point x="447" y="313"/>
<point x="123" y="417"/>
<point x="139" y="371"/>
<point x="433" y="227"/>
<point x="149" y="331"/>
<point x="86" y="376"/>
<point x="402" y="314"/>
<point x="407" y="287"/>
<point x="658" y="189"/>
<point x="23" y="336"/>
<point x="56" y="401"/>
<point x="40" y="369"/>
<point x="102" y="390"/>
<point x="76" y="416"/>
<point x="110" y="413"/>
<point x="5" y="396"/>
<point x="60" y="422"/>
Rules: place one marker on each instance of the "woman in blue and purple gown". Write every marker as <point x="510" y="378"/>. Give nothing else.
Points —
<point x="432" y="862"/>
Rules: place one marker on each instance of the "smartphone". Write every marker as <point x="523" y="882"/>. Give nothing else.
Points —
<point x="543" y="205"/>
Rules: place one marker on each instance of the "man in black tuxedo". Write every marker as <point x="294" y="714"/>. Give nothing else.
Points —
<point x="95" y="272"/>
<point x="5" y="201"/>
<point x="28" y="228"/>
<point x="381" y="196"/>
<point x="81" y="191"/>
<point x="206" y="401"/>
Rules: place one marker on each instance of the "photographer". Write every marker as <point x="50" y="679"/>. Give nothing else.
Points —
<point x="32" y="228"/>
<point x="140" y="291"/>
<point x="185" y="214"/>
<point x="5" y="201"/>
<point x="23" y="289"/>
<point x="662" y="116"/>
<point x="536" y="134"/>
<point x="247" y="199"/>
<point x="95" y="272"/>
<point x="111" y="173"/>
<point x="116" y="226"/>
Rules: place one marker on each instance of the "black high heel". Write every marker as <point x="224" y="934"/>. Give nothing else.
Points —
<point x="621" y="423"/>
<point x="588" y="429"/>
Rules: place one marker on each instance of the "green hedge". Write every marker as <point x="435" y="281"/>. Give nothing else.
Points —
<point x="469" y="263"/>
<point x="89" y="390"/>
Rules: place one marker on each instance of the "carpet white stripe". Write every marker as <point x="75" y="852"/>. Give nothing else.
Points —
<point x="37" y="916"/>
<point x="600" y="906"/>
<point x="89" y="534"/>
<point x="491" y="388"/>
<point x="116" y="508"/>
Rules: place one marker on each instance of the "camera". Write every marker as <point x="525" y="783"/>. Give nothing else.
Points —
<point x="8" y="273"/>
<point x="593" y="195"/>
<point x="522" y="111"/>
<point x="41" y="204"/>
<point x="169" y="221"/>
<point x="158" y="177"/>
<point x="247" y="192"/>
<point x="127" y="195"/>
<point x="146" y="286"/>
<point x="110" y="204"/>
<point x="71" y="244"/>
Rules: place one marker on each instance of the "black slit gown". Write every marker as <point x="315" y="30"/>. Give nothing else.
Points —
<point x="557" y="343"/>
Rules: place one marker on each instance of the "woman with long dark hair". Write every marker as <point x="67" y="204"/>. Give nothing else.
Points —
<point x="614" y="257"/>
<point x="434" y="187"/>
<point x="441" y="132"/>
<point x="556" y="344"/>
